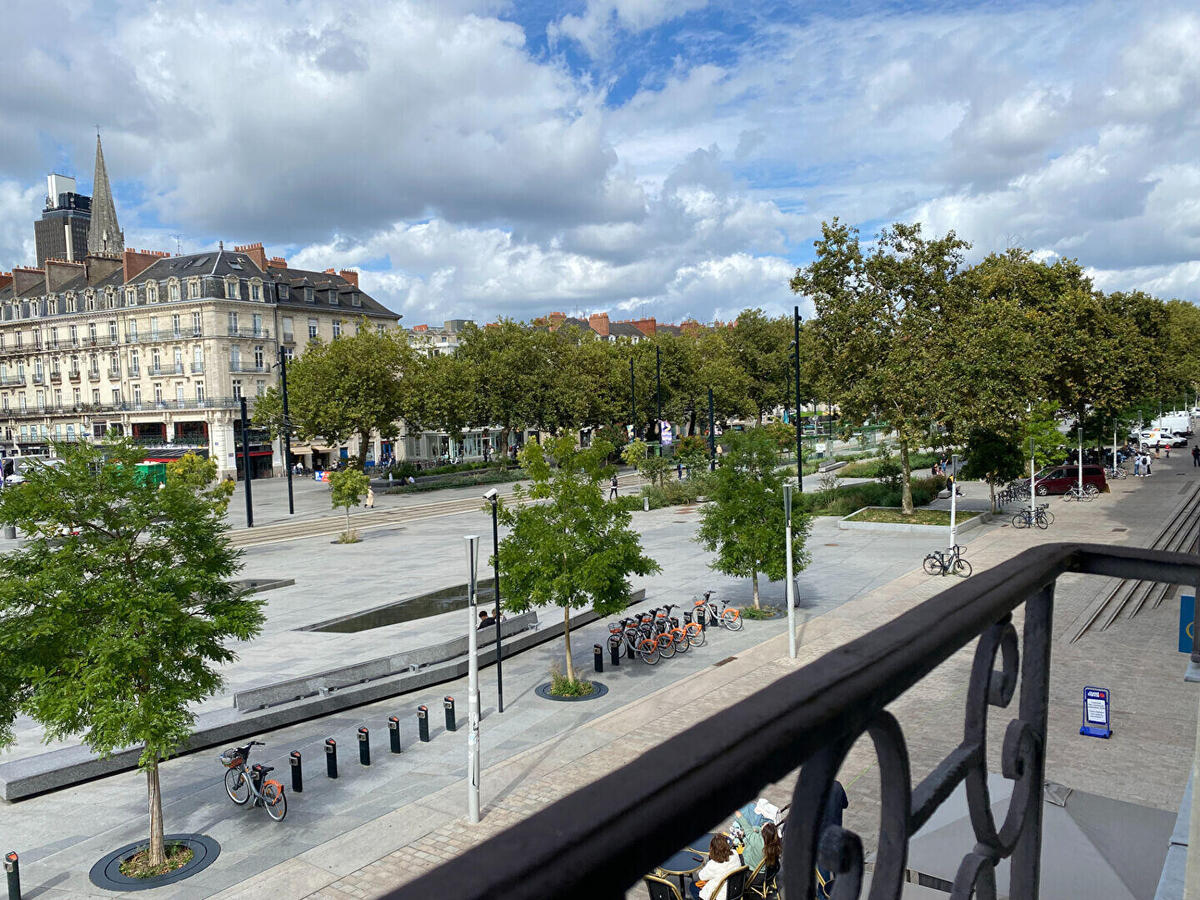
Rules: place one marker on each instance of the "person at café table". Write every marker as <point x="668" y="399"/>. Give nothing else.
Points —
<point x="721" y="861"/>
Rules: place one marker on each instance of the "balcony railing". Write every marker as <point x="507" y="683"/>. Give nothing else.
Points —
<point x="620" y="827"/>
<point x="247" y="367"/>
<point x="93" y="375"/>
<point x="260" y="333"/>
<point x="123" y="406"/>
<point x="197" y="367"/>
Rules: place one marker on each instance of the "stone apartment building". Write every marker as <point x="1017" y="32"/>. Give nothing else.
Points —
<point x="160" y="347"/>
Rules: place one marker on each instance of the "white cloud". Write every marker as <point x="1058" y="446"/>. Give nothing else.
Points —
<point x="593" y="29"/>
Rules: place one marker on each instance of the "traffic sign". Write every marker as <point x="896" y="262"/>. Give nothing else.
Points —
<point x="1096" y="719"/>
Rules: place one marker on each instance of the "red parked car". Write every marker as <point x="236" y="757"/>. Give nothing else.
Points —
<point x="1060" y="479"/>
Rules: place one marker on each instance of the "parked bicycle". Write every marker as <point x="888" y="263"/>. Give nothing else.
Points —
<point x="1115" y="472"/>
<point x="1041" y="517"/>
<point x="637" y="639"/>
<point x="948" y="563"/>
<point x="242" y="782"/>
<point x="1089" y="493"/>
<point x="726" y="616"/>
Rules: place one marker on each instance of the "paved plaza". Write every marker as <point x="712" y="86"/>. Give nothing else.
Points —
<point x="376" y="827"/>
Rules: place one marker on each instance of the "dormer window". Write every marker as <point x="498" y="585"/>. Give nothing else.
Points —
<point x="233" y="289"/>
<point x="309" y="296"/>
<point x="255" y="290"/>
<point x="173" y="289"/>
<point x="283" y="292"/>
<point x="333" y="297"/>
<point x="90" y="302"/>
<point x="355" y="299"/>
<point x="152" y="291"/>
<point x="193" y="288"/>
<point x="131" y="297"/>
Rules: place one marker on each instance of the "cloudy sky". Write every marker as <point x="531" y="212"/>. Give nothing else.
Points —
<point x="476" y="158"/>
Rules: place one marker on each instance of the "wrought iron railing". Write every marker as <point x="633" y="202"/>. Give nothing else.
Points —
<point x="601" y="839"/>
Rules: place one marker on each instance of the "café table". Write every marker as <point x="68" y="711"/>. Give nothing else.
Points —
<point x="683" y="863"/>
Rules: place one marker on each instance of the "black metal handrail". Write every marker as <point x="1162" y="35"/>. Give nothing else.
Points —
<point x="602" y="838"/>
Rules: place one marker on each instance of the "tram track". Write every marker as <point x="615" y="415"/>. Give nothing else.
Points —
<point x="1180" y="533"/>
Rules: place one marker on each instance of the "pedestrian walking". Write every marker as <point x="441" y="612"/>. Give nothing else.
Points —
<point x="1137" y="465"/>
<point x="1196" y="455"/>
<point x="1146" y="463"/>
<point x="612" y="488"/>
<point x="370" y="497"/>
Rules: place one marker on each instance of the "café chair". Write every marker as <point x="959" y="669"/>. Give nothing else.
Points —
<point x="661" y="889"/>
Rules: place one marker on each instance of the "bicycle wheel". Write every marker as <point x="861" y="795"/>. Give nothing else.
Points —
<point x="962" y="568"/>
<point x="695" y="634"/>
<point x="275" y="801"/>
<point x="1091" y="491"/>
<point x="680" y="640"/>
<point x="932" y="565"/>
<point x="237" y="786"/>
<point x="666" y="646"/>
<point x="1042" y="522"/>
<point x="648" y="651"/>
<point x="1020" y="520"/>
<point x="1047" y="515"/>
<point x="614" y="644"/>
<point x="732" y="619"/>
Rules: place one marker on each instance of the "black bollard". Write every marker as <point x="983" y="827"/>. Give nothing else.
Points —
<point x="394" y="733"/>
<point x="297" y="772"/>
<point x="423" y="723"/>
<point x="364" y="746"/>
<point x="450" y="724"/>
<point x="702" y="619"/>
<point x="331" y="757"/>
<point x="13" y="870"/>
<point x="614" y="654"/>
<point x="598" y="657"/>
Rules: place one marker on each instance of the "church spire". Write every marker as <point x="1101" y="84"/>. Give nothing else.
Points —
<point x="105" y="237"/>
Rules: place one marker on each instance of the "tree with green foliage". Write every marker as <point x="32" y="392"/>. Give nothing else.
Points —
<point x="885" y="327"/>
<point x="653" y="468"/>
<point x="758" y="346"/>
<point x="993" y="457"/>
<point x="745" y="522"/>
<point x="569" y="548"/>
<point x="117" y="608"/>
<point x="502" y="361"/>
<point x="346" y="489"/>
<point x="352" y="386"/>
<point x="1050" y="446"/>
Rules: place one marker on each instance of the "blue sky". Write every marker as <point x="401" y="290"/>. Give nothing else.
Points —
<point x="477" y="158"/>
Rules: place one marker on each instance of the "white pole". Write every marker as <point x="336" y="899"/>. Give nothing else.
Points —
<point x="1114" y="446"/>
<point x="1080" y="466"/>
<point x="472" y="682"/>
<point x="953" y="500"/>
<point x="1032" y="484"/>
<point x="791" y="584"/>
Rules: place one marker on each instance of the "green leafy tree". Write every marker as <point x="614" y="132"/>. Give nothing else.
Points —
<point x="574" y="549"/>
<point x="1050" y="446"/>
<point x="506" y="375"/>
<point x="745" y="522"/>
<point x="758" y="346"/>
<point x="993" y="457"/>
<point x="346" y="489"/>
<point x="117" y="609"/>
<point x="353" y="386"/>
<point x="885" y="326"/>
<point x="653" y="468"/>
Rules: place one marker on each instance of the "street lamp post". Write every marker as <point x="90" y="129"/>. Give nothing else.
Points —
<point x="632" y="401"/>
<point x="287" y="429"/>
<point x="658" y="396"/>
<point x="953" y="501"/>
<point x="791" y="584"/>
<point x="796" y="372"/>
<point x="472" y="681"/>
<point x="712" y="435"/>
<point x="246" y="464"/>
<point x="492" y="497"/>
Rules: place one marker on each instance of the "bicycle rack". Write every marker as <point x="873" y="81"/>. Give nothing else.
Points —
<point x="394" y="733"/>
<point x="331" y="758"/>
<point x="364" y="746"/>
<point x="12" y="868"/>
<point x="423" y="723"/>
<point x="297" y="772"/>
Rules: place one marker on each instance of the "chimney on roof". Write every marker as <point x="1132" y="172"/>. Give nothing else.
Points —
<point x="645" y="326"/>
<point x="255" y="252"/>
<point x="136" y="262"/>
<point x="5" y="279"/>
<point x="277" y="262"/>
<point x="350" y="275"/>
<point x="599" y="323"/>
<point x="689" y="327"/>
<point x="331" y="271"/>
<point x="60" y="271"/>
<point x="26" y="277"/>
<point x="556" y="319"/>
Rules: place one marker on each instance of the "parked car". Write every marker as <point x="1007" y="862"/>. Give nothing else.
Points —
<point x="1154" y="438"/>
<point x="1060" y="479"/>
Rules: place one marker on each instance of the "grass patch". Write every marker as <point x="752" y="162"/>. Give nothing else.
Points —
<point x="349" y="537"/>
<point x="918" y="517"/>
<point x="562" y="686"/>
<point x="844" y="500"/>
<point x="483" y="476"/>
<point x="766" y="612"/>
<point x="178" y="855"/>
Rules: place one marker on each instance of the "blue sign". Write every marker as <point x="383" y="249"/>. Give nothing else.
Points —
<point x="1096" y="721"/>
<point x="1187" y="620"/>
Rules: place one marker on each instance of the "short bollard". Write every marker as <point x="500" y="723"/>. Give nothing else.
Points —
<point x="614" y="654"/>
<point x="13" y="869"/>
<point x="394" y="733"/>
<point x="423" y="723"/>
<point x="702" y="619"/>
<point x="297" y="772"/>
<point x="450" y="723"/>
<point x="331" y="757"/>
<point x="364" y="746"/>
<point x="598" y="657"/>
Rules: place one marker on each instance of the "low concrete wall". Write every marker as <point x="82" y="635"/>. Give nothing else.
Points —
<point x="848" y="524"/>
<point x="371" y="669"/>
<point x="56" y="769"/>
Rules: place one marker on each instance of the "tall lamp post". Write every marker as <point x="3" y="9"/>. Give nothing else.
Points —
<point x="796" y="372"/>
<point x="632" y="401"/>
<point x="472" y="681"/>
<point x="493" y="497"/>
<point x="658" y="397"/>
<point x="287" y="429"/>
<point x="791" y="581"/>
<point x="246" y="463"/>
